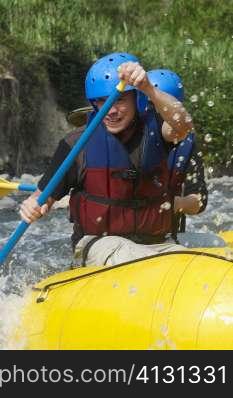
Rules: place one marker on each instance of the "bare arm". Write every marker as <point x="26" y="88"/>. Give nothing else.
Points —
<point x="190" y="204"/>
<point x="171" y="110"/>
<point x="171" y="135"/>
<point x="195" y="196"/>
<point x="177" y="121"/>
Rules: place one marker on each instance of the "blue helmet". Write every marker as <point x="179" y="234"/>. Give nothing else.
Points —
<point x="102" y="78"/>
<point x="167" y="81"/>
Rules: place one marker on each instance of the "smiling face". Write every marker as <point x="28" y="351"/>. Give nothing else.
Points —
<point x="121" y="113"/>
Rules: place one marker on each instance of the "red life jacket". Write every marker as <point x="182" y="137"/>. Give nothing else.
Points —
<point x="118" y="199"/>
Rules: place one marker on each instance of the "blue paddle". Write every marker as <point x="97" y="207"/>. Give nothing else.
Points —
<point x="49" y="189"/>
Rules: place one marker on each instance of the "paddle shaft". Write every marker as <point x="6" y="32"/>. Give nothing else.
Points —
<point x="27" y="187"/>
<point x="49" y="189"/>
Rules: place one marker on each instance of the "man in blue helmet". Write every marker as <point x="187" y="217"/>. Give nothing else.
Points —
<point x="125" y="187"/>
<point x="194" y="191"/>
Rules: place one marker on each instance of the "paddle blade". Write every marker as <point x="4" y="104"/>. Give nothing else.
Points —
<point x="6" y="187"/>
<point x="78" y="117"/>
<point x="4" y="192"/>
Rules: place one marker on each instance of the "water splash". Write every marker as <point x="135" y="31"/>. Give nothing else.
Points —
<point x="194" y="98"/>
<point x="208" y="138"/>
<point x="11" y="306"/>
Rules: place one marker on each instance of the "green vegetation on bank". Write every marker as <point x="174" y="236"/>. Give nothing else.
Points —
<point x="59" y="39"/>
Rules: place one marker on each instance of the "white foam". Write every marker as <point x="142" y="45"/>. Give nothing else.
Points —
<point x="11" y="306"/>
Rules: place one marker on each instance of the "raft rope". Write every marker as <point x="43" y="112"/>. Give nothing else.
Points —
<point x="44" y="291"/>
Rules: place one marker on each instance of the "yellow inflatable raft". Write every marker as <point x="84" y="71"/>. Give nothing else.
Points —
<point x="181" y="300"/>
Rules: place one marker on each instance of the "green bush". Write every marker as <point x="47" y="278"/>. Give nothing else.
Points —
<point x="193" y="38"/>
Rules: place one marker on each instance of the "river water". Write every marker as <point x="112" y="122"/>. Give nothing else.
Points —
<point x="45" y="248"/>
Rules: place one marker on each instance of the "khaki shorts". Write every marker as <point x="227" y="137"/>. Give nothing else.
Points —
<point x="113" y="250"/>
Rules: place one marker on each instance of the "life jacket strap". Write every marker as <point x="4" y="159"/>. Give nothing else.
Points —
<point x="128" y="203"/>
<point x="87" y="249"/>
<point x="129" y="174"/>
